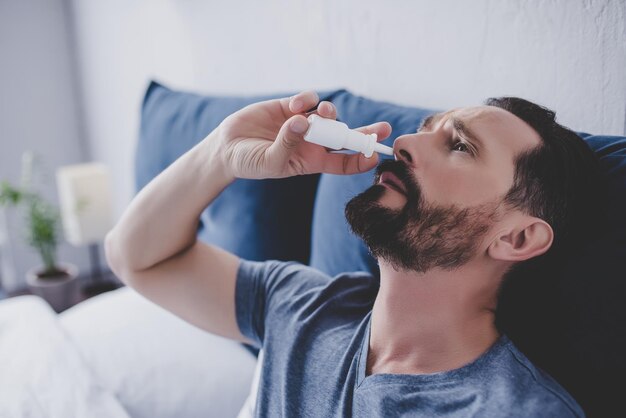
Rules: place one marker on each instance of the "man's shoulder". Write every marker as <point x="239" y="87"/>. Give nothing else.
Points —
<point x="537" y="391"/>
<point x="300" y="277"/>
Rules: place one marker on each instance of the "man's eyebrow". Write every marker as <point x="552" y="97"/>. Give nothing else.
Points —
<point x="430" y="120"/>
<point x="464" y="130"/>
<point x="459" y="125"/>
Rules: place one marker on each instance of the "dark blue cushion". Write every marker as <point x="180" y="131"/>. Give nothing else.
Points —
<point x="255" y="219"/>
<point x="334" y="248"/>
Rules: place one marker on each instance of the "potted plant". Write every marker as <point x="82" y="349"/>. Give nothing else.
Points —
<point x="54" y="281"/>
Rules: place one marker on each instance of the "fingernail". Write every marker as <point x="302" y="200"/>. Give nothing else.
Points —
<point x="296" y="105"/>
<point x="298" y="126"/>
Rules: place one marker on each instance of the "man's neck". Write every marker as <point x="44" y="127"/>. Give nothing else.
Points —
<point x="431" y="322"/>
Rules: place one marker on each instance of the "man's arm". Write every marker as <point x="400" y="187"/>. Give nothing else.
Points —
<point x="154" y="249"/>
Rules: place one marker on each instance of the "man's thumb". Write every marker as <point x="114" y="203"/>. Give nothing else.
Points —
<point x="292" y="132"/>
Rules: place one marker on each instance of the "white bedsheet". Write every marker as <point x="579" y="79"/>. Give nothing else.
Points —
<point x="158" y="365"/>
<point x="42" y="374"/>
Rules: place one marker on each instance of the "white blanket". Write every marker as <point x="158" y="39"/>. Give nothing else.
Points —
<point x="42" y="374"/>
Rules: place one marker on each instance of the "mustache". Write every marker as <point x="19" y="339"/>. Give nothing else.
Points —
<point x="404" y="174"/>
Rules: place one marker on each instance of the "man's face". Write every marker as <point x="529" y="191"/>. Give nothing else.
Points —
<point x="433" y="205"/>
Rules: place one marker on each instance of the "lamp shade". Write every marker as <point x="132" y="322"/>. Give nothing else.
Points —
<point x="85" y="200"/>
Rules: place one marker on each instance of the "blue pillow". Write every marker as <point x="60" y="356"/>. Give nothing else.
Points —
<point x="254" y="219"/>
<point x="573" y="327"/>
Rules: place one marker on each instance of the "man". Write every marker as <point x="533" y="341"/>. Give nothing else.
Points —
<point x="471" y="197"/>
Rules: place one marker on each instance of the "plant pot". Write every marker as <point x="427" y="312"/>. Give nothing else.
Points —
<point x="60" y="291"/>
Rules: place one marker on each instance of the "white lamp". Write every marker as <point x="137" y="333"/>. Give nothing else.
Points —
<point x="85" y="202"/>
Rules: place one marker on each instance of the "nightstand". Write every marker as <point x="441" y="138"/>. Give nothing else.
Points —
<point x="89" y="287"/>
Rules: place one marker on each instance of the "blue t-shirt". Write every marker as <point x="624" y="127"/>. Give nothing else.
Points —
<point x="315" y="330"/>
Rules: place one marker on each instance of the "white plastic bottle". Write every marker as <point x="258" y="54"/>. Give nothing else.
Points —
<point x="337" y="135"/>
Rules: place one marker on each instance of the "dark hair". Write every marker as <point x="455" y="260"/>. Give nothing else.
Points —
<point x="557" y="181"/>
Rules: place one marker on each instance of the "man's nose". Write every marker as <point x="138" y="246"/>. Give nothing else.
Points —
<point x="406" y="148"/>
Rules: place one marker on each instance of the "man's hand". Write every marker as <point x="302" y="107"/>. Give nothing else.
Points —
<point x="154" y="247"/>
<point x="266" y="140"/>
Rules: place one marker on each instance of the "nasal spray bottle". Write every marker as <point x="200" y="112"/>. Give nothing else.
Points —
<point x="336" y="135"/>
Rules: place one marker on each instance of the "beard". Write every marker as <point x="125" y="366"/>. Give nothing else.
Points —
<point x="419" y="236"/>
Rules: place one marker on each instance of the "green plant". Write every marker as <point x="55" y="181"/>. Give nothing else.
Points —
<point x="42" y="221"/>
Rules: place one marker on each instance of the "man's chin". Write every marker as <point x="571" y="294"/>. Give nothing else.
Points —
<point x="371" y="217"/>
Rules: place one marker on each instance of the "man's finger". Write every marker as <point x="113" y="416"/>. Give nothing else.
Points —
<point x="381" y="129"/>
<point x="327" y="110"/>
<point x="291" y="133"/>
<point x="299" y="103"/>
<point x="349" y="163"/>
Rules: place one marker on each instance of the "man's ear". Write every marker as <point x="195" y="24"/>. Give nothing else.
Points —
<point x="533" y="238"/>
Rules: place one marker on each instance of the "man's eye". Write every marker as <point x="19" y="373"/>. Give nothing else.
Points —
<point x="460" y="146"/>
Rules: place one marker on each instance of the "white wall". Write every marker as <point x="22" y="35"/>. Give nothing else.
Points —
<point x="38" y="111"/>
<point x="567" y="54"/>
